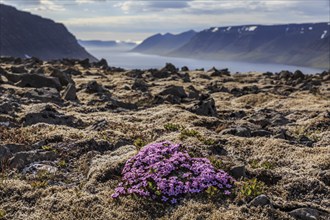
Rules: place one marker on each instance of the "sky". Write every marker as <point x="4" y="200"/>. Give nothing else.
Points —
<point x="136" y="20"/>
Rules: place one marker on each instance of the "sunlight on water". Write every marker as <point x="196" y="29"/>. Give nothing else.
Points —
<point x="131" y="60"/>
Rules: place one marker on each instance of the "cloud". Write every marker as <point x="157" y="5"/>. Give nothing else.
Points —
<point x="38" y="5"/>
<point x="151" y="6"/>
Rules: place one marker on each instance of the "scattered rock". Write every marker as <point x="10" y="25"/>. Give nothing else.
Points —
<point x="64" y="78"/>
<point x="21" y="159"/>
<point x="261" y="200"/>
<point x="237" y="171"/>
<point x="140" y="84"/>
<point x="305" y="214"/>
<point x="205" y="107"/>
<point x="44" y="94"/>
<point x="70" y="93"/>
<point x="177" y="91"/>
<point x="184" y="68"/>
<point x="47" y="113"/>
<point x="94" y="87"/>
<point x="103" y="64"/>
<point x="39" y="81"/>
<point x="237" y="131"/>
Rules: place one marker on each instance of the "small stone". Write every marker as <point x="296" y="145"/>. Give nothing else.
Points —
<point x="237" y="171"/>
<point x="261" y="200"/>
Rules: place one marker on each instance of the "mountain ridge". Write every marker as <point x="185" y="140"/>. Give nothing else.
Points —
<point x="27" y="35"/>
<point x="306" y="44"/>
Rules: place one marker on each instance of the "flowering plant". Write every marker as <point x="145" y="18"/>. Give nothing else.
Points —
<point x="165" y="171"/>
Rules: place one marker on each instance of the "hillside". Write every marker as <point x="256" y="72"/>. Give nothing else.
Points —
<point x="295" y="44"/>
<point x="26" y="35"/>
<point x="163" y="44"/>
<point x="66" y="134"/>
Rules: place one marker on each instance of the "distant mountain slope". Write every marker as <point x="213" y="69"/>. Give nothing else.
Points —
<point x="296" y="44"/>
<point x="23" y="34"/>
<point x="163" y="44"/>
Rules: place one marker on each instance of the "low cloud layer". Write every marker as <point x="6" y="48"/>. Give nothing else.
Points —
<point x="137" y="19"/>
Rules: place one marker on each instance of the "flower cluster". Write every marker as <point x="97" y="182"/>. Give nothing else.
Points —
<point x="165" y="171"/>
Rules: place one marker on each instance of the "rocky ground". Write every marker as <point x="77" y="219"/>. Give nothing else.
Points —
<point x="67" y="128"/>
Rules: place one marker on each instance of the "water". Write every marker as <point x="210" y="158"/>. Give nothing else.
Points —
<point x="129" y="60"/>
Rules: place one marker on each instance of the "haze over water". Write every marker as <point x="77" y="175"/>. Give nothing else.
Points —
<point x="130" y="60"/>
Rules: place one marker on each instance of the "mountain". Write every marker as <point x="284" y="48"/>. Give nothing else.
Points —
<point x="23" y="34"/>
<point x="295" y="44"/>
<point x="163" y="44"/>
<point x="99" y="43"/>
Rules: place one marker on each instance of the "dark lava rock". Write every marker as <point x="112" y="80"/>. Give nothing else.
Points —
<point x="268" y="74"/>
<point x="216" y="87"/>
<point x="184" y="68"/>
<point x="8" y="150"/>
<point x="85" y="63"/>
<point x="72" y="71"/>
<point x="12" y="77"/>
<point x="44" y="94"/>
<point x="94" y="87"/>
<point x="285" y="74"/>
<point x="9" y="107"/>
<point x="165" y="72"/>
<point x="21" y="159"/>
<point x="298" y="75"/>
<point x="18" y="69"/>
<point x="216" y="72"/>
<point x="238" y="131"/>
<point x="39" y="81"/>
<point x="169" y="67"/>
<point x="70" y="93"/>
<point x="261" y="133"/>
<point x="193" y="93"/>
<point x="64" y="78"/>
<point x="261" y="200"/>
<point x="46" y="113"/>
<point x="177" y="91"/>
<point x="140" y="84"/>
<point x="237" y="171"/>
<point x="103" y="64"/>
<point x="205" y="107"/>
<point x="185" y="77"/>
<point x="305" y="214"/>
<point x="114" y="104"/>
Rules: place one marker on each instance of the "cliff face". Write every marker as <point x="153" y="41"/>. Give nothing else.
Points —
<point x="23" y="34"/>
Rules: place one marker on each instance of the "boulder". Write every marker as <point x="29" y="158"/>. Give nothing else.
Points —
<point x="184" y="68"/>
<point x="169" y="67"/>
<point x="101" y="64"/>
<point x="39" y="81"/>
<point x="177" y="91"/>
<point x="70" y="93"/>
<point x="205" y="107"/>
<point x="298" y="75"/>
<point x="140" y="84"/>
<point x="63" y="77"/>
<point x="94" y="87"/>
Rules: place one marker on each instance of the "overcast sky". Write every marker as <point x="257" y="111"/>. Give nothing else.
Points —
<point x="136" y="20"/>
